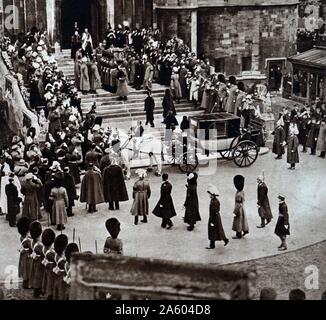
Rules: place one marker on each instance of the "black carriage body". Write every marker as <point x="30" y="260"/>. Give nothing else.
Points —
<point x="225" y="125"/>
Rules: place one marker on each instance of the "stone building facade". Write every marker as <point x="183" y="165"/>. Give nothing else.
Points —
<point x="236" y="35"/>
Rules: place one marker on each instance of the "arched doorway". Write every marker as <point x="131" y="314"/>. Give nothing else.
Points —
<point x="91" y="14"/>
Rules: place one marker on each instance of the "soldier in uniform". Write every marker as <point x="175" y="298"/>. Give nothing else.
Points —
<point x="48" y="237"/>
<point x="71" y="248"/>
<point x="282" y="228"/>
<point x="113" y="245"/>
<point x="37" y="270"/>
<point x="60" y="245"/>
<point x="25" y="250"/>
<point x="240" y="223"/>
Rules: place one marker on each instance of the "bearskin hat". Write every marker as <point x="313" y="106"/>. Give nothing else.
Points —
<point x="239" y="182"/>
<point x="233" y="80"/>
<point x="71" y="248"/>
<point x="35" y="230"/>
<point x="60" y="243"/>
<point x="221" y="78"/>
<point x="241" y="86"/>
<point x="113" y="227"/>
<point x="48" y="237"/>
<point x="23" y="225"/>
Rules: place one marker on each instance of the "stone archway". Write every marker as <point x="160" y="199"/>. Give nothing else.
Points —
<point x="91" y="14"/>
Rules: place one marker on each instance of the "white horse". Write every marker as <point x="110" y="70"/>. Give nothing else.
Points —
<point x="132" y="147"/>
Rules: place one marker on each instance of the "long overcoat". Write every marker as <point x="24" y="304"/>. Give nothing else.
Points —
<point x="192" y="214"/>
<point x="279" y="138"/>
<point x="114" y="186"/>
<point x="292" y="151"/>
<point x="240" y="223"/>
<point x="321" y="141"/>
<point x="60" y="203"/>
<point x="31" y="206"/>
<point x="92" y="188"/>
<point x="283" y="220"/>
<point x="70" y="186"/>
<point x="141" y="194"/>
<point x="215" y="226"/>
<point x="165" y="207"/>
<point x="264" y="210"/>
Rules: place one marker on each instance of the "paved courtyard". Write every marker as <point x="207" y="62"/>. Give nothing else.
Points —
<point x="304" y="187"/>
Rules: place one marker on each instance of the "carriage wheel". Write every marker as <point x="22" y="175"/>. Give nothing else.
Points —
<point x="228" y="154"/>
<point x="188" y="162"/>
<point x="245" y="154"/>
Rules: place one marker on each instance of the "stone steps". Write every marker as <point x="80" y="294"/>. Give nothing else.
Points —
<point x="123" y="113"/>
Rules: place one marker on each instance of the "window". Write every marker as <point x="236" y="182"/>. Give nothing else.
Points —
<point x="246" y="63"/>
<point x="219" y="65"/>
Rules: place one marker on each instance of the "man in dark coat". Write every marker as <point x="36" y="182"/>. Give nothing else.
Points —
<point x="191" y="204"/>
<point x="279" y="139"/>
<point x="13" y="202"/>
<point x="69" y="183"/>
<point x="165" y="207"/>
<point x="282" y="228"/>
<point x="292" y="150"/>
<point x="92" y="189"/>
<point x="114" y="187"/>
<point x="215" y="227"/>
<point x="264" y="208"/>
<point x="49" y="185"/>
<point x="149" y="108"/>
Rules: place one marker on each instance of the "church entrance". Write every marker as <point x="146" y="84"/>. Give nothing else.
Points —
<point x="91" y="14"/>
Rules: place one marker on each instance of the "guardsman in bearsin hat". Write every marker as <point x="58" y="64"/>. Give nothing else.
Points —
<point x="60" y="245"/>
<point x="48" y="238"/>
<point x="71" y="248"/>
<point x="240" y="223"/>
<point x="25" y="250"/>
<point x="113" y="245"/>
<point x="37" y="257"/>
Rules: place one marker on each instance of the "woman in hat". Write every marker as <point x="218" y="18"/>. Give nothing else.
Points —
<point x="168" y="104"/>
<point x="141" y="195"/>
<point x="215" y="226"/>
<point x="191" y="204"/>
<point x="240" y="223"/>
<point x="282" y="228"/>
<point x="292" y="150"/>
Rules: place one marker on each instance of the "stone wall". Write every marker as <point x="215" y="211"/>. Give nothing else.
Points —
<point x="97" y="276"/>
<point x="236" y="32"/>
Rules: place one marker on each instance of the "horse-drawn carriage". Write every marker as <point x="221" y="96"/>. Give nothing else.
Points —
<point x="210" y="137"/>
<point x="219" y="135"/>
